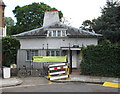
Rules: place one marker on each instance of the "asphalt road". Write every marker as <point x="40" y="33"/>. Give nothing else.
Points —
<point x="61" y="87"/>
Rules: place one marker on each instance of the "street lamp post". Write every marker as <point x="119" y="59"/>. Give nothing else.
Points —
<point x="31" y="65"/>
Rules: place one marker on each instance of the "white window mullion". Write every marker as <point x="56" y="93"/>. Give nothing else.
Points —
<point x="65" y="32"/>
<point x="48" y="33"/>
<point x="52" y="33"/>
<point x="62" y="33"/>
<point x="55" y="53"/>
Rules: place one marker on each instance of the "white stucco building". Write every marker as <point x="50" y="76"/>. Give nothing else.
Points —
<point x="53" y="39"/>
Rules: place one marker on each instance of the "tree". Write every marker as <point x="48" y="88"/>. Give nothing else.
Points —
<point x="108" y="23"/>
<point x="30" y="17"/>
<point x="9" y="23"/>
<point x="10" y="46"/>
<point x="65" y="20"/>
<point x="86" y="25"/>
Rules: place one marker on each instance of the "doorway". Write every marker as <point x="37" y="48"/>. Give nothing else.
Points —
<point x="74" y="59"/>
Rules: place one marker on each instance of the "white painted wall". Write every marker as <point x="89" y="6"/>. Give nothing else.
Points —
<point x="55" y="43"/>
<point x="50" y="18"/>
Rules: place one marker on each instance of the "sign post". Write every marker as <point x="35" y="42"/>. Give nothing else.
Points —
<point x="70" y="56"/>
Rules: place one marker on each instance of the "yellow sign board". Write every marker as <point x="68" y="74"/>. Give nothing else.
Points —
<point x="49" y="59"/>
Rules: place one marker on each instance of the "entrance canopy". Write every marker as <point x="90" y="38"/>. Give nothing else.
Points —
<point x="70" y="48"/>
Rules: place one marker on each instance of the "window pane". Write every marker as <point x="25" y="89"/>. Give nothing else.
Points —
<point x="28" y="55"/>
<point x="52" y="53"/>
<point x="57" y="53"/>
<point x="31" y="53"/>
<point x="50" y="33"/>
<point x="54" y="33"/>
<point x="59" y="33"/>
<point x="48" y="53"/>
<point x="63" y="33"/>
<point x="36" y="53"/>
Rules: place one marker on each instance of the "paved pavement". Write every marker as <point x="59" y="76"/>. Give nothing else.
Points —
<point x="74" y="77"/>
<point x="10" y="82"/>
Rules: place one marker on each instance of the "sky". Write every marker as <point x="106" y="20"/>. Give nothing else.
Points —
<point x="76" y="11"/>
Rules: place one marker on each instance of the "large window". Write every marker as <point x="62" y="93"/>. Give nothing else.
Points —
<point x="56" y="33"/>
<point x="53" y="53"/>
<point x="31" y="53"/>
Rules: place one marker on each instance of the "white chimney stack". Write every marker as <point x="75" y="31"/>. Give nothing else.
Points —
<point x="51" y="17"/>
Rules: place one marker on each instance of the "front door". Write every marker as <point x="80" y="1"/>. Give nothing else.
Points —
<point x="74" y="59"/>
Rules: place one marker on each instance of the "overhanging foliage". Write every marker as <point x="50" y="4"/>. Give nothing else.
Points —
<point x="29" y="17"/>
<point x="10" y="46"/>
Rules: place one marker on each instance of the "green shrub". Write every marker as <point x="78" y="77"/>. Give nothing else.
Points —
<point x="101" y="60"/>
<point x="10" y="46"/>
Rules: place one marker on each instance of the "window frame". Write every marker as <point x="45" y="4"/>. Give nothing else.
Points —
<point x="55" y="33"/>
<point x="54" y="52"/>
<point x="31" y="53"/>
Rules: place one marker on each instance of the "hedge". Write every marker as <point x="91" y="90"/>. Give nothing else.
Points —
<point x="101" y="60"/>
<point x="10" y="46"/>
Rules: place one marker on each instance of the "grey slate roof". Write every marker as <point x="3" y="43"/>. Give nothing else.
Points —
<point x="71" y="31"/>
